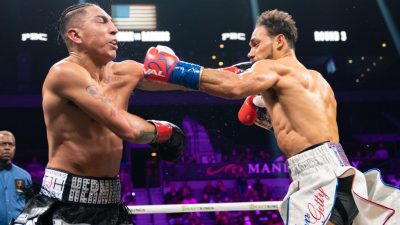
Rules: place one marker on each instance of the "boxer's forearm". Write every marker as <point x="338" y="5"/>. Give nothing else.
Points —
<point x="135" y="129"/>
<point x="147" y="85"/>
<point x="228" y="85"/>
<point x="221" y="83"/>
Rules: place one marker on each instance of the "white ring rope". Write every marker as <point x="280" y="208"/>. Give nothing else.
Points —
<point x="204" y="207"/>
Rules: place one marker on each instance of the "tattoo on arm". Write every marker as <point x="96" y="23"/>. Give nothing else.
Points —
<point x="146" y="137"/>
<point x="143" y="137"/>
<point x="94" y="92"/>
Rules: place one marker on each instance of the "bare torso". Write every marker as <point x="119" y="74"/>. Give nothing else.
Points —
<point x="302" y="107"/>
<point x="78" y="143"/>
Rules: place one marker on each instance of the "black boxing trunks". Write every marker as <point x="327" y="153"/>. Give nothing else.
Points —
<point x="66" y="199"/>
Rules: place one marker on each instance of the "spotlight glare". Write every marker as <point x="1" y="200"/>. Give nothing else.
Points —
<point x="384" y="45"/>
<point x="221" y="46"/>
<point x="214" y="57"/>
<point x="220" y="63"/>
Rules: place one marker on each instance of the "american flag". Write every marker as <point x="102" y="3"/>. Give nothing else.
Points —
<point x="134" y="16"/>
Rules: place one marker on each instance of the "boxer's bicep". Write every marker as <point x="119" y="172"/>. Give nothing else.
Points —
<point x="257" y="81"/>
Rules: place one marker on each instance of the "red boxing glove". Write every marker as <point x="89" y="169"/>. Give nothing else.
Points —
<point x="170" y="140"/>
<point x="239" y="67"/>
<point x="159" y="63"/>
<point x="248" y="114"/>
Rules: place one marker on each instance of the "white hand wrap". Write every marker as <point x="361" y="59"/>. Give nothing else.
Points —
<point x="263" y="119"/>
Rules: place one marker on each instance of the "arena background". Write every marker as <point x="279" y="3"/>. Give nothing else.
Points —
<point x="362" y="65"/>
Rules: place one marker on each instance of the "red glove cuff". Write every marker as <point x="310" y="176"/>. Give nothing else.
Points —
<point x="232" y="69"/>
<point x="163" y="129"/>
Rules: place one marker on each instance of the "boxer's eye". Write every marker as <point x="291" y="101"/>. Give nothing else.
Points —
<point x="102" y="19"/>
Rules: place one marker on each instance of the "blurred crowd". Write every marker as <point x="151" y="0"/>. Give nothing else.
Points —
<point x="218" y="192"/>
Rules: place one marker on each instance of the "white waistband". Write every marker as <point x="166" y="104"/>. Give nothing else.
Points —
<point x="329" y="154"/>
<point x="72" y="188"/>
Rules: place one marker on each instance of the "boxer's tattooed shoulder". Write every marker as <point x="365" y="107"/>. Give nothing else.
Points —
<point x="93" y="91"/>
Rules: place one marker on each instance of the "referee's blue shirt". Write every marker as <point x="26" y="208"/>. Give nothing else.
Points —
<point x="13" y="181"/>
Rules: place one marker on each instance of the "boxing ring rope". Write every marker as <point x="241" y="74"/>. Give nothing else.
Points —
<point x="204" y="207"/>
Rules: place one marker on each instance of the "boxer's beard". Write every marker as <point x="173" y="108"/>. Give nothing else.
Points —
<point x="271" y="55"/>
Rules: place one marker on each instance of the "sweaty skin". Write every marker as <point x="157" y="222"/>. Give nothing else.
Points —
<point x="85" y="101"/>
<point x="300" y="102"/>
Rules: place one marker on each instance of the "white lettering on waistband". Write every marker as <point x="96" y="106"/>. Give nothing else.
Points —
<point x="81" y="189"/>
<point x="75" y="190"/>
<point x="94" y="188"/>
<point x="104" y="191"/>
<point x="85" y="190"/>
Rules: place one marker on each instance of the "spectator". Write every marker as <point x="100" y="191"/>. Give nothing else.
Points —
<point x="209" y="189"/>
<point x="264" y="196"/>
<point x="223" y="218"/>
<point x="221" y="190"/>
<point x="183" y="190"/>
<point x="258" y="186"/>
<point x="251" y="194"/>
<point x="171" y="197"/>
<point x="241" y="181"/>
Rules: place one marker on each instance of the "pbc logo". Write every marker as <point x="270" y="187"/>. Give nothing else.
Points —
<point x="34" y="37"/>
<point x="233" y="36"/>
